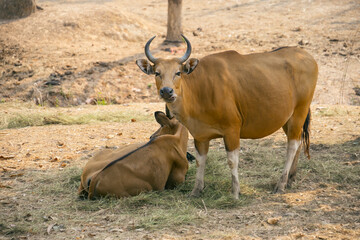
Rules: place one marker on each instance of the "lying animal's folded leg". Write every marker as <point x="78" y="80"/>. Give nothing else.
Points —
<point x="82" y="193"/>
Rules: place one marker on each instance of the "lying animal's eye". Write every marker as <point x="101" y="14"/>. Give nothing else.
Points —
<point x="157" y="74"/>
<point x="178" y="73"/>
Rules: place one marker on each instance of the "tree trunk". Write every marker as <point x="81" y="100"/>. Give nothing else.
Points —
<point x="174" y="28"/>
<point x="10" y="9"/>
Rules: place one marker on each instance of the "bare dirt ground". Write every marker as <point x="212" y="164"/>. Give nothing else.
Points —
<point x="82" y="51"/>
<point x="315" y="208"/>
<point x="74" y="50"/>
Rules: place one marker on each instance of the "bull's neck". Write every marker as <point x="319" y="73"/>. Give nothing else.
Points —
<point x="178" y="110"/>
<point x="182" y="108"/>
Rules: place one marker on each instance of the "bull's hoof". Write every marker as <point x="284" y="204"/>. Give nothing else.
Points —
<point x="195" y="193"/>
<point x="236" y="196"/>
<point x="236" y="193"/>
<point x="291" y="180"/>
<point x="279" y="189"/>
<point x="280" y="186"/>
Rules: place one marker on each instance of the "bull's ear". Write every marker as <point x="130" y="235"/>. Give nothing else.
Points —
<point x="190" y="65"/>
<point x="145" y="66"/>
<point x="162" y="119"/>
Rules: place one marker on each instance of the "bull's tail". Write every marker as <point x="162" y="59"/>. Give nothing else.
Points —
<point x="306" y="134"/>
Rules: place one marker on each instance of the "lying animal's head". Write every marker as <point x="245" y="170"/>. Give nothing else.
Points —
<point x="168" y="72"/>
<point x="168" y="126"/>
<point x="171" y="126"/>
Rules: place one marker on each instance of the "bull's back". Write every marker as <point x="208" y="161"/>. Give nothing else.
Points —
<point x="282" y="81"/>
<point x="259" y="92"/>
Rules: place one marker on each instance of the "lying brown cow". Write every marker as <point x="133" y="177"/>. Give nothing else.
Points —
<point x="155" y="165"/>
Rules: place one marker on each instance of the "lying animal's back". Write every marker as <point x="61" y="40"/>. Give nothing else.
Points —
<point x="104" y="157"/>
<point x="130" y="170"/>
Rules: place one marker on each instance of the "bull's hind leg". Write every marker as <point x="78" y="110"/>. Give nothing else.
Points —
<point x="293" y="148"/>
<point x="293" y="131"/>
<point x="292" y="172"/>
<point x="201" y="156"/>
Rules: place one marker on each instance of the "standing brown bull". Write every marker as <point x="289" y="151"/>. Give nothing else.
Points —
<point x="235" y="96"/>
<point x="160" y="163"/>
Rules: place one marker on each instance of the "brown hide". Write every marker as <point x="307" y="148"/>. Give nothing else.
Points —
<point x="235" y="96"/>
<point x="160" y="163"/>
<point x="245" y="96"/>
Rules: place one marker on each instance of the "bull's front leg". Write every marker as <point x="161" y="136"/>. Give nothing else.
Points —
<point x="232" y="145"/>
<point x="201" y="156"/>
<point x="233" y="161"/>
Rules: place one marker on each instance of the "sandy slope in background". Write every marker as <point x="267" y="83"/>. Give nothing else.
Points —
<point x="88" y="47"/>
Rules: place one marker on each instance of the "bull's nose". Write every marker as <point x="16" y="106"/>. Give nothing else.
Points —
<point x="166" y="92"/>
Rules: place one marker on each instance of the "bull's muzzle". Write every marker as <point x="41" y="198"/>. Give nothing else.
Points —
<point x="167" y="94"/>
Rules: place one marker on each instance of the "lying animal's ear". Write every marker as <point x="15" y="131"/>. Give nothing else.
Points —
<point x="145" y="66"/>
<point x="190" y="65"/>
<point x="162" y="119"/>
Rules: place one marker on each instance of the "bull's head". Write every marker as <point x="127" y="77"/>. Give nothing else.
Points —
<point x="168" y="72"/>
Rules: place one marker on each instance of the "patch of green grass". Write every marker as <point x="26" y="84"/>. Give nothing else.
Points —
<point x="24" y="116"/>
<point x="9" y="230"/>
<point x="261" y="164"/>
<point x="330" y="111"/>
<point x="332" y="163"/>
<point x="102" y="102"/>
<point x="217" y="190"/>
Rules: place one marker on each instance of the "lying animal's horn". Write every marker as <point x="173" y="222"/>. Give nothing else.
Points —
<point x="188" y="50"/>
<point x="147" y="51"/>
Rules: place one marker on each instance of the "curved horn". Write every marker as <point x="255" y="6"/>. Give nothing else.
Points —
<point x="188" y="50"/>
<point x="147" y="51"/>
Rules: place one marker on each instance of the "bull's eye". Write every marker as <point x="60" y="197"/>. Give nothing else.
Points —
<point x="157" y="74"/>
<point x="178" y="73"/>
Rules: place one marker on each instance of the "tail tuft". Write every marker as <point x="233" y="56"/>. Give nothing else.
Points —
<point x="306" y="134"/>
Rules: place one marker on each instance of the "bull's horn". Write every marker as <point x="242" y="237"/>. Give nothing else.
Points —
<point x="188" y="50"/>
<point x="147" y="51"/>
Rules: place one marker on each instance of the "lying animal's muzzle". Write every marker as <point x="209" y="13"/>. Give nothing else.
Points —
<point x="167" y="94"/>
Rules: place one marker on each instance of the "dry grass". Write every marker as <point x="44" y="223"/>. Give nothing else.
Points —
<point x="52" y="196"/>
<point x="18" y="115"/>
<point x="35" y="202"/>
